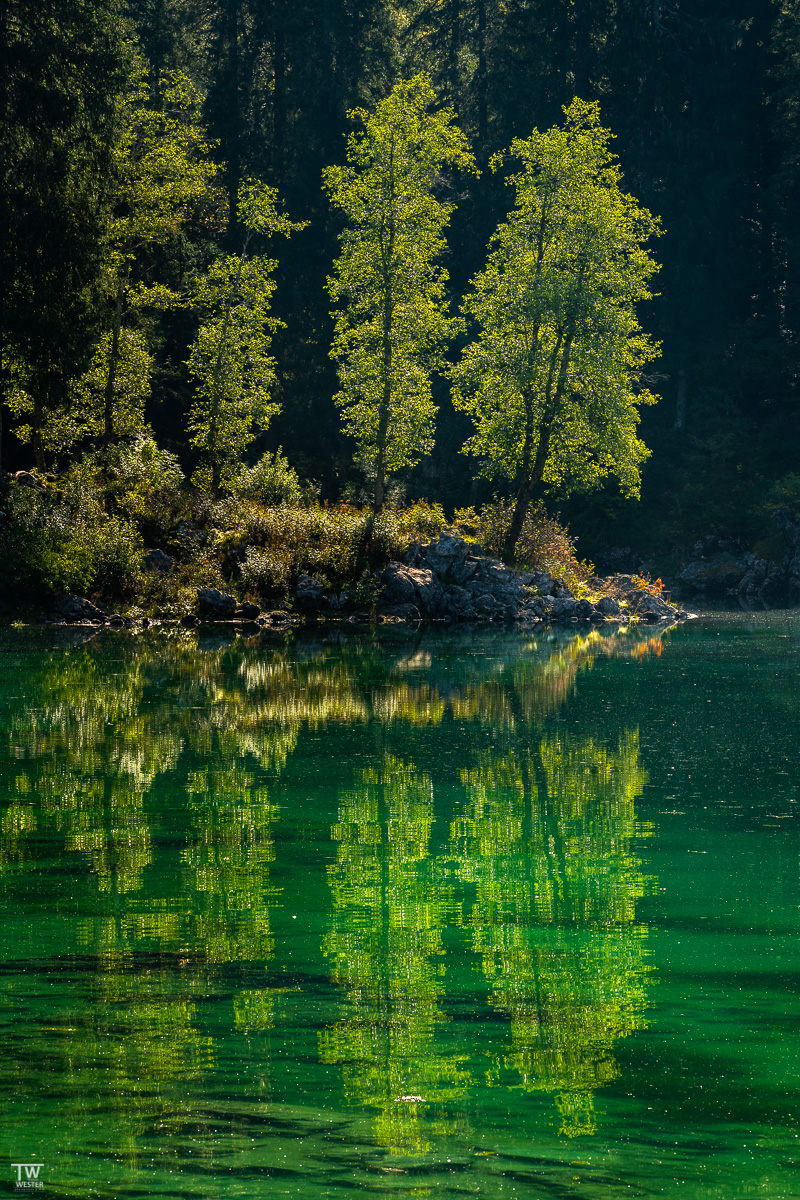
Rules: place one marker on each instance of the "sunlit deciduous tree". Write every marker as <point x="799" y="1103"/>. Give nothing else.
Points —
<point x="552" y="379"/>
<point x="393" y="326"/>
<point x="230" y="356"/>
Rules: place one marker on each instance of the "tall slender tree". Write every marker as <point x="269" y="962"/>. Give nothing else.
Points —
<point x="393" y="326"/>
<point x="230" y="356"/>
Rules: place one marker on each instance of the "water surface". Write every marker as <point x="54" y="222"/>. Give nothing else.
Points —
<point x="437" y="914"/>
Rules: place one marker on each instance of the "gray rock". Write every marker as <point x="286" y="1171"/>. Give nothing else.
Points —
<point x="412" y="585"/>
<point x="714" y="576"/>
<point x="247" y="612"/>
<point x="157" y="560"/>
<point x="217" y="605"/>
<point x="564" y="608"/>
<point x="403" y="612"/>
<point x="607" y="606"/>
<point x="189" y="620"/>
<point x="76" y="608"/>
<point x="460" y="571"/>
<point x="544" y="582"/>
<point x="26" y="479"/>
<point x="309" y="592"/>
<point x="458" y="602"/>
<point x="653" y="608"/>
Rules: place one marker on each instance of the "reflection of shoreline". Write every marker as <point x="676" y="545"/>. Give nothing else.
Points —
<point x="99" y="734"/>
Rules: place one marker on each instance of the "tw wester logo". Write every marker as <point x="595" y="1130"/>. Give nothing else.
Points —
<point x="31" y="1179"/>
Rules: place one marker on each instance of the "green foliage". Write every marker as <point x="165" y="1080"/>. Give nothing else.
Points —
<point x="393" y="326"/>
<point x="64" y="67"/>
<point x="80" y="419"/>
<point x="543" y="545"/>
<point x="141" y="475"/>
<point x="785" y="494"/>
<point x="54" y="542"/>
<point x="551" y="381"/>
<point x="230" y="356"/>
<point x="279" y="542"/>
<point x="161" y="171"/>
<point x="270" y="481"/>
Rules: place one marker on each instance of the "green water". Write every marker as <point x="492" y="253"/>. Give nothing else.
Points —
<point x="469" y="915"/>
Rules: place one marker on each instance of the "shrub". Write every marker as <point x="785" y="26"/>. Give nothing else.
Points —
<point x="271" y="481"/>
<point x="63" y="541"/>
<point x="544" y="544"/>
<point x="264" y="572"/>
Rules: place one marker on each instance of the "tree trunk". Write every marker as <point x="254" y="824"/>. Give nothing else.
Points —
<point x="111" y="378"/>
<point x="213" y="417"/>
<point x="523" y="498"/>
<point x="383" y="418"/>
<point x="36" y="436"/>
<point x="680" y="405"/>
<point x="482" y="86"/>
<point x="531" y="474"/>
<point x="455" y="39"/>
<point x="387" y="254"/>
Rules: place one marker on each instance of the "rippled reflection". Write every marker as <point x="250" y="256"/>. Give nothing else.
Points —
<point x="142" y="794"/>
<point x="545" y="839"/>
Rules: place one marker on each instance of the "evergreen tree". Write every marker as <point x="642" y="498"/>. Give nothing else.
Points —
<point x="63" y="68"/>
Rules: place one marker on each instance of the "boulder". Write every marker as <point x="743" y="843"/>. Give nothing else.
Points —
<point x="26" y="479"/>
<point x="216" y="605"/>
<point x="247" y="612"/>
<point x="607" y="606"/>
<point x="714" y="576"/>
<point x="458" y="603"/>
<point x="564" y="608"/>
<point x="76" y="608"/>
<point x="309" y="592"/>
<point x="412" y="585"/>
<point x="158" y="561"/>
<point x="543" y="582"/>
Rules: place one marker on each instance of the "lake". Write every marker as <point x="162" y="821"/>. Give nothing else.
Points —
<point x="442" y="914"/>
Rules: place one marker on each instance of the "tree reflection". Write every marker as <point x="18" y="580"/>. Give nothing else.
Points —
<point x="147" y="772"/>
<point x="545" y="838"/>
<point x="391" y="900"/>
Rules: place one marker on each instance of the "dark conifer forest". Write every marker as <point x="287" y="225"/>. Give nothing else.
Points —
<point x="702" y="98"/>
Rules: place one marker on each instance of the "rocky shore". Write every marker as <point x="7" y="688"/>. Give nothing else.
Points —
<point x="447" y="580"/>
<point x="720" y="570"/>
